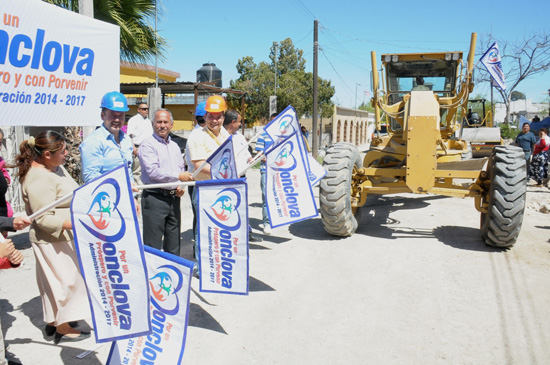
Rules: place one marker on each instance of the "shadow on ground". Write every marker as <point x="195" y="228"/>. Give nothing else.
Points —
<point x="375" y="220"/>
<point x="463" y="238"/>
<point x="198" y="317"/>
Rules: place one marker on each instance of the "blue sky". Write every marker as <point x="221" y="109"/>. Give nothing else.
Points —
<point x="222" y="32"/>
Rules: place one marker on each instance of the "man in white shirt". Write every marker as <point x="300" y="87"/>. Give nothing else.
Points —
<point x="232" y="124"/>
<point x="139" y="128"/>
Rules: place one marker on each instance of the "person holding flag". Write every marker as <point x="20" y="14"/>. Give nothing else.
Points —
<point x="203" y="142"/>
<point x="161" y="162"/>
<point x="199" y="119"/>
<point x="44" y="180"/>
<point x="232" y="124"/>
<point x="108" y="146"/>
<point x="208" y="139"/>
<point x="262" y="144"/>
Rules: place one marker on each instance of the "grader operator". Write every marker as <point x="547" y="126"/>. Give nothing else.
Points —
<point x="423" y="153"/>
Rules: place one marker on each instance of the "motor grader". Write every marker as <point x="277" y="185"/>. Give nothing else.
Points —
<point x="422" y="95"/>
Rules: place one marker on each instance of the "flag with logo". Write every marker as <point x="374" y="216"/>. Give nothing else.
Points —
<point x="289" y="196"/>
<point x="110" y="254"/>
<point x="283" y="125"/>
<point x="222" y="161"/>
<point x="170" y="286"/>
<point x="492" y="62"/>
<point x="222" y="212"/>
<point x="316" y="171"/>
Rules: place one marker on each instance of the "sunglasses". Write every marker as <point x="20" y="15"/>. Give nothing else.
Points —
<point x="144" y="108"/>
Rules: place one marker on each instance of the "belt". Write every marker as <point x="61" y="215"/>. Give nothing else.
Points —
<point x="162" y="192"/>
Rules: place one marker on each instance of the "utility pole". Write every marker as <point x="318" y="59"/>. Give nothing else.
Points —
<point x="315" y="138"/>
<point x="357" y="84"/>
<point x="156" y="50"/>
<point x="86" y="8"/>
<point x="275" y="89"/>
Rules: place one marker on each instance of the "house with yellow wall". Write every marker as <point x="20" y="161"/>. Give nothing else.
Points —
<point x="181" y="106"/>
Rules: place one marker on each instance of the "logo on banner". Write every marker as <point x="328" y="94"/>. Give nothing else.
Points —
<point x="101" y="205"/>
<point x="223" y="168"/>
<point x="493" y="55"/>
<point x="165" y="285"/>
<point x="285" y="160"/>
<point x="109" y="231"/>
<point x="224" y="210"/>
<point x="286" y="126"/>
<point x="227" y="220"/>
<point x="104" y="205"/>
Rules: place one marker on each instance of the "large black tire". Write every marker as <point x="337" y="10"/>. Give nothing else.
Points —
<point x="501" y="225"/>
<point x="335" y="190"/>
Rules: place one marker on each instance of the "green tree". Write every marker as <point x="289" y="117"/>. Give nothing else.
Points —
<point x="517" y="95"/>
<point x="294" y="84"/>
<point x="137" y="38"/>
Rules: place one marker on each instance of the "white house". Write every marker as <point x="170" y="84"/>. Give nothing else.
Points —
<point x="518" y="108"/>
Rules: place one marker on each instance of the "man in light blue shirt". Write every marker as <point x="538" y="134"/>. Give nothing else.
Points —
<point x="108" y="146"/>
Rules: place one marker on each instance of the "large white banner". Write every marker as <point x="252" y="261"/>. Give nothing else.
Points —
<point x="289" y="196"/>
<point x="222" y="208"/>
<point x="170" y="283"/>
<point x="110" y="254"/>
<point x="55" y="65"/>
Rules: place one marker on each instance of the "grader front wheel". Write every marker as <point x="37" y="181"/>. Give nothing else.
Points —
<point x="501" y="225"/>
<point x="338" y="213"/>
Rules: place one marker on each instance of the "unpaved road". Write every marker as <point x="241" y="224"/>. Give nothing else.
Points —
<point x="415" y="285"/>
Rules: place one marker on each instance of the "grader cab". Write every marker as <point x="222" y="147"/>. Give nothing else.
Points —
<point x="423" y="153"/>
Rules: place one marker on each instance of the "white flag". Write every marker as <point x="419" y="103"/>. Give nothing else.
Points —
<point x="289" y="196"/>
<point x="492" y="62"/>
<point x="110" y="254"/>
<point x="222" y="212"/>
<point x="170" y="283"/>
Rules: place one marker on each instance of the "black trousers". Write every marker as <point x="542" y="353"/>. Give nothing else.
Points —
<point x="161" y="221"/>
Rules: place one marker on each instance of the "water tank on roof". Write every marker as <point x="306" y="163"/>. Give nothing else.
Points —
<point x="209" y="72"/>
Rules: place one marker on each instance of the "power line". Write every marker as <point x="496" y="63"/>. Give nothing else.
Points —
<point x="304" y="9"/>
<point x="341" y="79"/>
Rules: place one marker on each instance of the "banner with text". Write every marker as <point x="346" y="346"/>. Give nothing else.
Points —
<point x="222" y="209"/>
<point x="110" y="254"/>
<point x="289" y="196"/>
<point x="170" y="285"/>
<point x="55" y="65"/>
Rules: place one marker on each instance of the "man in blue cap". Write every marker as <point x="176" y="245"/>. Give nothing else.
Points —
<point x="200" y="111"/>
<point x="108" y="146"/>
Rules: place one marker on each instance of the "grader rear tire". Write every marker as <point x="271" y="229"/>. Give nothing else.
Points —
<point x="501" y="225"/>
<point x="335" y="190"/>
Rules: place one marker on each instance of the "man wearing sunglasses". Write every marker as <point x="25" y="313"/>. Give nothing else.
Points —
<point x="139" y="128"/>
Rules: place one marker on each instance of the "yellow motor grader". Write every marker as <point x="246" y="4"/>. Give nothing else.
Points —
<point x="423" y="152"/>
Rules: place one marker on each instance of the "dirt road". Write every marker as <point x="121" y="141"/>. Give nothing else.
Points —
<point x="414" y="285"/>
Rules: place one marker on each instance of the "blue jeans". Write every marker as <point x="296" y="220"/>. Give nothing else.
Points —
<point x="195" y="230"/>
<point x="265" y="216"/>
